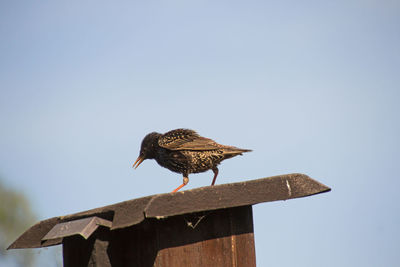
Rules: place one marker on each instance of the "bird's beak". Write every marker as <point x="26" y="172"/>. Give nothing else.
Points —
<point x="139" y="160"/>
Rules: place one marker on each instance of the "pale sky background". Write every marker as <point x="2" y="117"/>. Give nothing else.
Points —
<point x="310" y="86"/>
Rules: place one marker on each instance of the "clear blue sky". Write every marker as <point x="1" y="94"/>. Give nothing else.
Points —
<point x="310" y="86"/>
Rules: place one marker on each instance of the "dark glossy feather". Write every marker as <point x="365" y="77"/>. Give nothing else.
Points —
<point x="185" y="139"/>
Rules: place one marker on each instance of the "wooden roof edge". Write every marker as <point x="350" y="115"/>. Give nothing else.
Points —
<point x="32" y="237"/>
<point x="132" y="212"/>
<point x="281" y="187"/>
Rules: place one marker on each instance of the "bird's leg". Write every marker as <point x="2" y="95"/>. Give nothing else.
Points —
<point x="185" y="182"/>
<point x="215" y="170"/>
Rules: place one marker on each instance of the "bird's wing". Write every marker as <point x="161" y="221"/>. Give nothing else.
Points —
<point x="185" y="139"/>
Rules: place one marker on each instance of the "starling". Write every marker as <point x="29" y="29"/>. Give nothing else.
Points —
<point x="185" y="151"/>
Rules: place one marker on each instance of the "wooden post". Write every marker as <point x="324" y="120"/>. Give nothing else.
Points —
<point x="213" y="238"/>
<point x="208" y="226"/>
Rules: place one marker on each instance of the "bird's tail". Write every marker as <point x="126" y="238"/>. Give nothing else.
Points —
<point x="236" y="151"/>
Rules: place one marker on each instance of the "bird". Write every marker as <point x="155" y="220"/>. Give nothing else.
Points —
<point x="185" y="151"/>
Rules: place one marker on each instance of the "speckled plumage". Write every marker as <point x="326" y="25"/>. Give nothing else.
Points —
<point x="184" y="151"/>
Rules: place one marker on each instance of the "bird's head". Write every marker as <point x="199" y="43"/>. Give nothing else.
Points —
<point x="148" y="148"/>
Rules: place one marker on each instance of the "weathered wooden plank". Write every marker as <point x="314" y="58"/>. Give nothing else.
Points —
<point x="275" y="188"/>
<point x="84" y="227"/>
<point x="221" y="238"/>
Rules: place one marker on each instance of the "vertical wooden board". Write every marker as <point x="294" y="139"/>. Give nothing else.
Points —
<point x="243" y="247"/>
<point x="100" y="257"/>
<point x="133" y="246"/>
<point x="245" y="250"/>
<point x="226" y="240"/>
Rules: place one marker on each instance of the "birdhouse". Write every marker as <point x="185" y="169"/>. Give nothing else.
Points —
<point x="208" y="226"/>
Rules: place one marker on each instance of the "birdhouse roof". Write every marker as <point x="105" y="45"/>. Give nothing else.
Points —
<point x="129" y="213"/>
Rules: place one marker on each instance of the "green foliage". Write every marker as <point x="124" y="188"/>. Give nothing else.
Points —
<point x="16" y="216"/>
